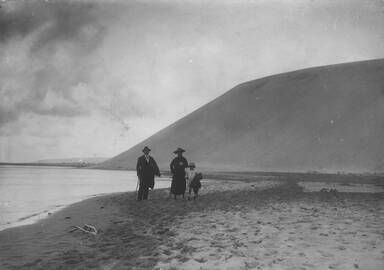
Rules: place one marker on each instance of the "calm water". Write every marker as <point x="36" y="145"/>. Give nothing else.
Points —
<point x="29" y="193"/>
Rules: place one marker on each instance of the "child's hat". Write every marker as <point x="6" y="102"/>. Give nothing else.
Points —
<point x="146" y="149"/>
<point x="179" y="150"/>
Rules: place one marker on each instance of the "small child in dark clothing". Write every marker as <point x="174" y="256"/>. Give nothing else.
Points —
<point x="193" y="180"/>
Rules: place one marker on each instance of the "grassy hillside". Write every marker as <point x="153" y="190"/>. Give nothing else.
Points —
<point x="327" y="118"/>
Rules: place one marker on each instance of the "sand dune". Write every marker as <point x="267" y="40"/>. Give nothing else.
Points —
<point x="326" y="118"/>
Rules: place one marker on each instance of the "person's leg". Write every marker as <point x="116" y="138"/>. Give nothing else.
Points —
<point x="172" y="187"/>
<point x="196" y="192"/>
<point x="145" y="193"/>
<point x="140" y="193"/>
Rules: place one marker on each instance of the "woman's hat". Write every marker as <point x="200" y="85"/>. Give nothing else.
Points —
<point x="179" y="150"/>
<point x="192" y="164"/>
<point x="146" y="149"/>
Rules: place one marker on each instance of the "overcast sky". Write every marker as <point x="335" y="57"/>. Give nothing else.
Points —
<point x="93" y="78"/>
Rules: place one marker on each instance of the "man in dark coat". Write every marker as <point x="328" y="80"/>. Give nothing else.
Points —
<point x="178" y="165"/>
<point x="146" y="170"/>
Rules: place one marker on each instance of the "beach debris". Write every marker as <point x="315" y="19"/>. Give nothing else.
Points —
<point x="162" y="231"/>
<point x="117" y="221"/>
<point x="332" y="190"/>
<point x="86" y="228"/>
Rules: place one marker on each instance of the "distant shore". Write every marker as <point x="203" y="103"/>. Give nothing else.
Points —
<point x="255" y="224"/>
<point x="239" y="175"/>
<point x="38" y="164"/>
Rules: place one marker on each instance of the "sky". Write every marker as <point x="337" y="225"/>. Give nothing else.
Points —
<point x="94" y="78"/>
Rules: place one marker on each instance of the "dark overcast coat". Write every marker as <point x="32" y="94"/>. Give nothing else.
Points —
<point x="146" y="171"/>
<point x="178" y="166"/>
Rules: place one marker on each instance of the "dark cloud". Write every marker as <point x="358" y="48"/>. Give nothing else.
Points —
<point x="31" y="106"/>
<point x="63" y="111"/>
<point x="99" y="68"/>
<point x="57" y="40"/>
<point x="7" y="116"/>
<point x="17" y="20"/>
<point x="64" y="19"/>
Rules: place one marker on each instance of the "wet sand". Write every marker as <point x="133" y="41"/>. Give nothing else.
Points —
<point x="232" y="225"/>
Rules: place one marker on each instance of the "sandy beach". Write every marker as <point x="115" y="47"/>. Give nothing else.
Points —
<point x="266" y="224"/>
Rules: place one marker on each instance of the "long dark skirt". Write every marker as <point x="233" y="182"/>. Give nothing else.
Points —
<point x="178" y="185"/>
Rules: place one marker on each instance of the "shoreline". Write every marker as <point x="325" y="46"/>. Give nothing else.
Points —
<point x="227" y="175"/>
<point x="220" y="226"/>
<point x="316" y="185"/>
<point x="34" y="218"/>
<point x="29" y="194"/>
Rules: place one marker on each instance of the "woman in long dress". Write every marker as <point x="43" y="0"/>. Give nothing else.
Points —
<point x="178" y="165"/>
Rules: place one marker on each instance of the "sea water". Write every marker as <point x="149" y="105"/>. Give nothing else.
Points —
<point x="29" y="193"/>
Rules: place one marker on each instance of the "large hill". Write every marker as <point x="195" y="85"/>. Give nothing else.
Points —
<point x="327" y="118"/>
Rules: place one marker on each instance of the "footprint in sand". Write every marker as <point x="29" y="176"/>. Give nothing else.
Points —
<point x="232" y="229"/>
<point x="257" y="241"/>
<point x="167" y="252"/>
<point x="333" y="266"/>
<point x="304" y="245"/>
<point x="218" y="236"/>
<point x="325" y="254"/>
<point x="200" y="260"/>
<point x="109" y="266"/>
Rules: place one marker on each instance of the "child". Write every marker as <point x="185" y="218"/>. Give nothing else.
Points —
<point x="193" y="180"/>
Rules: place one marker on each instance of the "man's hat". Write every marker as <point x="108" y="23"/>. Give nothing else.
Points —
<point x="179" y="150"/>
<point x="192" y="165"/>
<point x="146" y="149"/>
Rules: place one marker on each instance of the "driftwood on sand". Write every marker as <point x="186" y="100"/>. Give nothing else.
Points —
<point x="86" y="228"/>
